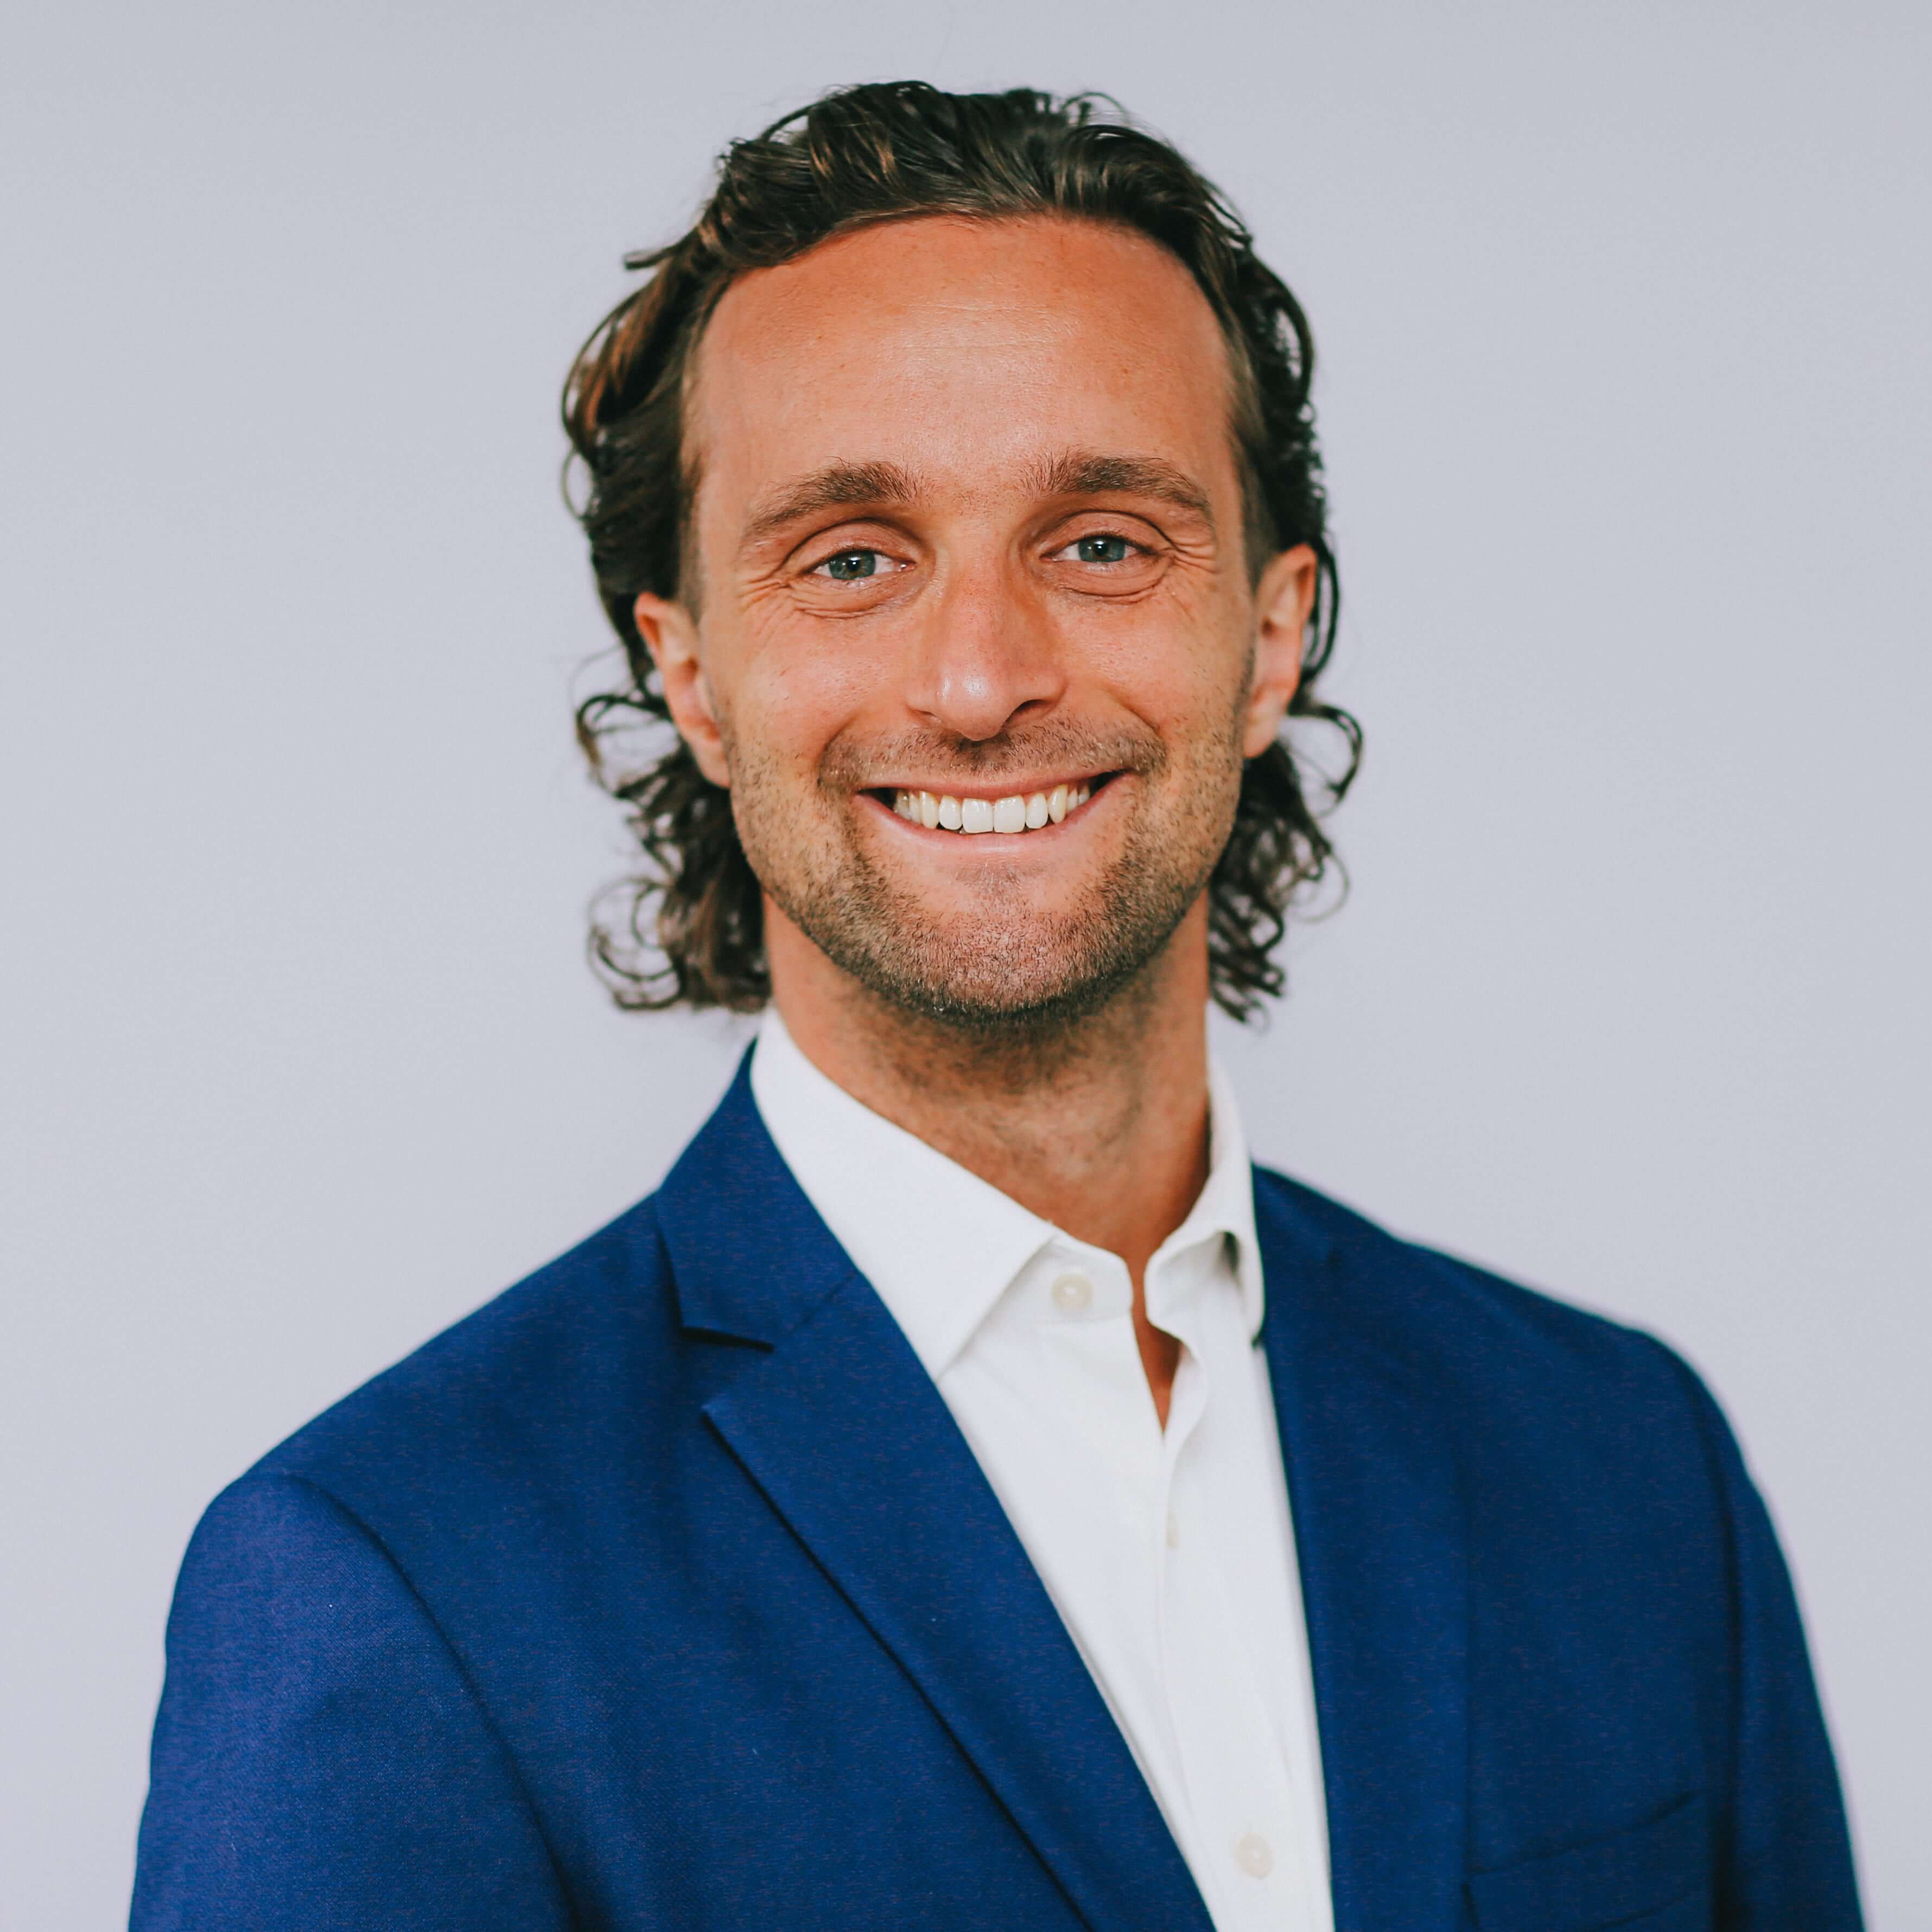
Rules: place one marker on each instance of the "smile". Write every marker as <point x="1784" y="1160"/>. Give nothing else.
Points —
<point x="1022" y="812"/>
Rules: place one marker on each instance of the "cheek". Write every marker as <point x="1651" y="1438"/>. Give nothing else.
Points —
<point x="783" y="716"/>
<point x="1190" y="684"/>
<point x="799" y="687"/>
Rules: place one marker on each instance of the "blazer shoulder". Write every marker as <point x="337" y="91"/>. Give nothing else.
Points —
<point x="1443" y="1313"/>
<point x="555" y="1344"/>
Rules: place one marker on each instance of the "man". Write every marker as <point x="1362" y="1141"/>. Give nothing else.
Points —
<point x="967" y="1494"/>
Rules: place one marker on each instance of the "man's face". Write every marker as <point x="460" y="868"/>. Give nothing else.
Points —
<point x="968" y="531"/>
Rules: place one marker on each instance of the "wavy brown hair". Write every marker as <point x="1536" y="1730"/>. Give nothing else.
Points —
<point x="689" y="928"/>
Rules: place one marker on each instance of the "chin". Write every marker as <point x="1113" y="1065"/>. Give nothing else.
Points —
<point x="1019" y="980"/>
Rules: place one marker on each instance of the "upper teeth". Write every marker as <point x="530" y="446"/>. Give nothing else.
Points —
<point x="1024" y="812"/>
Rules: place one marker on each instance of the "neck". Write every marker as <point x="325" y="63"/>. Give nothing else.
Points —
<point x="1100" y="1127"/>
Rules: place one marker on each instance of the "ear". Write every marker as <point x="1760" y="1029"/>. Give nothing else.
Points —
<point x="1283" y="599"/>
<point x="670" y="634"/>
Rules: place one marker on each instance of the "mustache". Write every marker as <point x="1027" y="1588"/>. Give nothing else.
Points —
<point x="850" y="764"/>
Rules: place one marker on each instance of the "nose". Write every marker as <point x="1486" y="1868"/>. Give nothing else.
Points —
<point x="986" y="655"/>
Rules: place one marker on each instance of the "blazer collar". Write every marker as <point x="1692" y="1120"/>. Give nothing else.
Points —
<point x="849" y="1441"/>
<point x="750" y="1257"/>
<point x="1382" y="1538"/>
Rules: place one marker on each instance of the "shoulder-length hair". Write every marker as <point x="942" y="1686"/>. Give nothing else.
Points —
<point x="688" y="928"/>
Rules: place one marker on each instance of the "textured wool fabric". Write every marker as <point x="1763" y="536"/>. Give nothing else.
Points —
<point x="664" y="1591"/>
<point x="1167" y="1550"/>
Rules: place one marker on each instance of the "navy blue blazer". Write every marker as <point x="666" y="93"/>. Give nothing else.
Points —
<point x="664" y="1592"/>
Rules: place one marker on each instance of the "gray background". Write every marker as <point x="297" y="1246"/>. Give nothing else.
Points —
<point x="1623" y="313"/>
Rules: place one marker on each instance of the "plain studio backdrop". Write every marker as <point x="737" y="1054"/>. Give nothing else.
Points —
<point x="1622" y="320"/>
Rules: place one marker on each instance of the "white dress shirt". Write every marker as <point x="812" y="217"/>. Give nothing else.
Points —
<point x="1168" y="1554"/>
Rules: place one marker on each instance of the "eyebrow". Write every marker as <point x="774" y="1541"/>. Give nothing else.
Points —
<point x="886" y="485"/>
<point x="838" y="486"/>
<point x="1080" y="472"/>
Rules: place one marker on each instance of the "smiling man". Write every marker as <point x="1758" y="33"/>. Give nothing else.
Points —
<point x="967" y="1493"/>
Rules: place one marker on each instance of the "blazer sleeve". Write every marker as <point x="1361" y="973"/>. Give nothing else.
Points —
<point x="319" y="1760"/>
<point x="1786" y="1851"/>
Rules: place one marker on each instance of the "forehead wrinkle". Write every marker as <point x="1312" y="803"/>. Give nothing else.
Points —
<point x="836" y="486"/>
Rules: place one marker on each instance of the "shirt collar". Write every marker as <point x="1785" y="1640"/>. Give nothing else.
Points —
<point x="940" y="1245"/>
<point x="1225" y="1205"/>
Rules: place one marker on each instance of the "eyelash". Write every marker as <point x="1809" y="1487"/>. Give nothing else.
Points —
<point x="1107" y="536"/>
<point x="822" y="568"/>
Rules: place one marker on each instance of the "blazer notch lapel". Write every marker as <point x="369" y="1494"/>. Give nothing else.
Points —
<point x="1382" y="1535"/>
<point x="852" y="1445"/>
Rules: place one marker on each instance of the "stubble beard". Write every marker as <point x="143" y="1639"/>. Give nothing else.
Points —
<point x="993" y="972"/>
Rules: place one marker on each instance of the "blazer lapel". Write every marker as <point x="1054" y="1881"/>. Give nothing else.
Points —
<point x="844" y="1433"/>
<point x="1380" y="1533"/>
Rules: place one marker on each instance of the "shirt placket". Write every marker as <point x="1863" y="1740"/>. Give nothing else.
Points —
<point x="1245" y="1851"/>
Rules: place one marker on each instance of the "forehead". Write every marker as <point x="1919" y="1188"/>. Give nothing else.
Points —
<point x="960" y="349"/>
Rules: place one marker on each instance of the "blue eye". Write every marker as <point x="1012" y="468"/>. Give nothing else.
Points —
<point x="849" y="565"/>
<point x="1103" y="550"/>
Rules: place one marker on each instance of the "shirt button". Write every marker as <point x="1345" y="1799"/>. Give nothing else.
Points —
<point x="1072" y="1293"/>
<point x="1253" y="1854"/>
<point x="1173" y="1530"/>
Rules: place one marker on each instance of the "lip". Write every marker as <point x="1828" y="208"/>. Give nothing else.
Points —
<point x="1007" y="787"/>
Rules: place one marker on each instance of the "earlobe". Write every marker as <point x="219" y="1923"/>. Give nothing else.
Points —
<point x="1284" y="599"/>
<point x="669" y="634"/>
